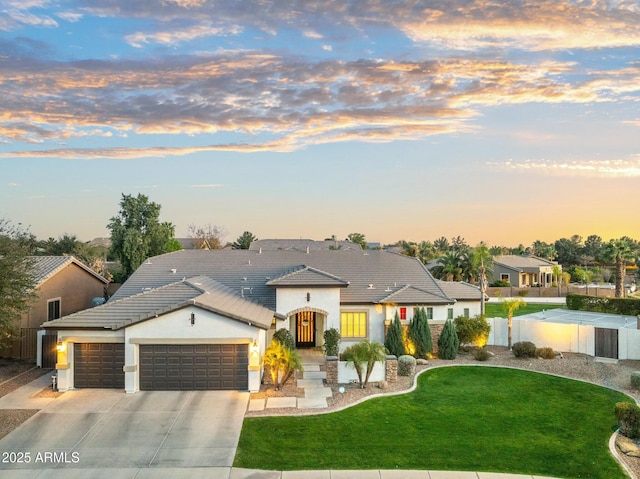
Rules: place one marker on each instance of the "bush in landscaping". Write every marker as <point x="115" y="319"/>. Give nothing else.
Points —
<point x="283" y="336"/>
<point x="394" y="341"/>
<point x="524" y="349"/>
<point x="473" y="330"/>
<point x="523" y="292"/>
<point x="545" y="353"/>
<point x="420" y="333"/>
<point x="481" y="355"/>
<point x="331" y="342"/>
<point x="581" y="302"/>
<point x="500" y="283"/>
<point x="635" y="380"/>
<point x="628" y="417"/>
<point x="448" y="343"/>
<point x="363" y="356"/>
<point x="406" y="365"/>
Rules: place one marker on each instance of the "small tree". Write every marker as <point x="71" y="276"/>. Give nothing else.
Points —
<point x="510" y="306"/>
<point x="365" y="355"/>
<point x="420" y="333"/>
<point x="332" y="342"/>
<point x="244" y="241"/>
<point x="282" y="361"/>
<point x="394" y="341"/>
<point x="448" y="342"/>
<point x="284" y="337"/>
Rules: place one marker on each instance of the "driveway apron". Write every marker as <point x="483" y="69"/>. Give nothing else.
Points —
<point x="108" y="429"/>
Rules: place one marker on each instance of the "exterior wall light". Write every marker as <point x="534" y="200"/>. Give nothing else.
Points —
<point x="308" y="297"/>
<point x="61" y="347"/>
<point x="193" y="319"/>
<point x="254" y="354"/>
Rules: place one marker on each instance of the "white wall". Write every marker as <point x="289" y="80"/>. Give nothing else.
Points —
<point x="347" y="373"/>
<point x="628" y="343"/>
<point x="570" y="338"/>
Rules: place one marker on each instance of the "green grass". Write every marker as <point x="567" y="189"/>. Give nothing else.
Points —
<point x="459" y="418"/>
<point x="494" y="310"/>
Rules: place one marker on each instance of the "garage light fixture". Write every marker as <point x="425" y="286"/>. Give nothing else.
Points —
<point x="61" y="347"/>
<point x="193" y="319"/>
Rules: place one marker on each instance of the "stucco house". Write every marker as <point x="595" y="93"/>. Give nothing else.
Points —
<point x="64" y="285"/>
<point x="197" y="319"/>
<point x="524" y="271"/>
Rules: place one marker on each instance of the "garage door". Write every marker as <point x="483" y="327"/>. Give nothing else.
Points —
<point x="98" y="365"/>
<point x="167" y="367"/>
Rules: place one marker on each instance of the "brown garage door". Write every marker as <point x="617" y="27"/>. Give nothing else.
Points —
<point x="98" y="365"/>
<point x="168" y="367"/>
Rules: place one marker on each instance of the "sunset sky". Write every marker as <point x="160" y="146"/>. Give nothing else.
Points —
<point x="506" y="122"/>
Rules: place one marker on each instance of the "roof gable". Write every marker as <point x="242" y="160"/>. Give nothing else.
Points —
<point x="409" y="294"/>
<point x="45" y="267"/>
<point x="308" y="276"/>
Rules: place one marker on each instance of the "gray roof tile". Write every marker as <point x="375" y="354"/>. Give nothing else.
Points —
<point x="308" y="276"/>
<point x="44" y="267"/>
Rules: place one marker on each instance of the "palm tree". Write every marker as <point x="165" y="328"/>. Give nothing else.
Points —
<point x="620" y="251"/>
<point x="482" y="262"/>
<point x="365" y="354"/>
<point x="557" y="271"/>
<point x="510" y="306"/>
<point x="282" y="361"/>
<point x="451" y="269"/>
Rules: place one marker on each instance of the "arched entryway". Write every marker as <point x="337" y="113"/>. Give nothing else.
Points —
<point x="307" y="327"/>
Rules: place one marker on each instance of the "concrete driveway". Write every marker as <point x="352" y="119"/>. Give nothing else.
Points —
<point x="107" y="429"/>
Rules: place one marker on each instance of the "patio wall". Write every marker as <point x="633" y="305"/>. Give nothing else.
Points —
<point x="570" y="338"/>
<point x="347" y="373"/>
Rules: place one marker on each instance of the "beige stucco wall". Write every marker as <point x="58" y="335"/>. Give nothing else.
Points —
<point x="73" y="285"/>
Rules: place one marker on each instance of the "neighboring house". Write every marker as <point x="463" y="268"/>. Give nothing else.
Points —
<point x="64" y="285"/>
<point x="524" y="271"/>
<point x="203" y="319"/>
<point x="303" y="245"/>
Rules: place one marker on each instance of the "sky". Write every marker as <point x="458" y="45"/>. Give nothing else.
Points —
<point x="504" y="122"/>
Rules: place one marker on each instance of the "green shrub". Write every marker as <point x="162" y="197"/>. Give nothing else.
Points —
<point x="420" y="334"/>
<point x="500" y="283"/>
<point x="448" y="343"/>
<point x="331" y="342"/>
<point x="545" y="353"/>
<point x="394" y="341"/>
<point x="523" y="292"/>
<point x="635" y="380"/>
<point x="406" y="365"/>
<point x="524" y="349"/>
<point x="628" y="417"/>
<point x="581" y="302"/>
<point x="283" y="336"/>
<point x="481" y="355"/>
<point x="473" y="330"/>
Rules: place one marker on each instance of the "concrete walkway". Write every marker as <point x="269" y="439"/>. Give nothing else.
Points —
<point x="311" y="380"/>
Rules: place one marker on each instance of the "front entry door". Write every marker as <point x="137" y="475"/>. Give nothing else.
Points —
<point x="306" y="329"/>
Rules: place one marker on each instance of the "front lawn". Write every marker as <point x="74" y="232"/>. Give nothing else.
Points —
<point x="459" y="418"/>
<point x="494" y="310"/>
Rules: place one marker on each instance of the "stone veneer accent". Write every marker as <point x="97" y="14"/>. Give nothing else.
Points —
<point x="436" y="331"/>
<point x="331" y="369"/>
<point x="391" y="369"/>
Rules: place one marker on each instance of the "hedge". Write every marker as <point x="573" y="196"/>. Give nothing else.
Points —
<point x="581" y="302"/>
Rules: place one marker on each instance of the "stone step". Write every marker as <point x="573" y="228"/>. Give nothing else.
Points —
<point x="310" y="367"/>
<point x="281" y="402"/>
<point x="310" y="383"/>
<point x="314" y="375"/>
<point x="318" y="393"/>
<point x="312" y="403"/>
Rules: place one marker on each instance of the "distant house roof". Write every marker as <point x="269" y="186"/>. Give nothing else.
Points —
<point x="200" y="291"/>
<point x="523" y="263"/>
<point x="45" y="267"/>
<point x="371" y="275"/>
<point x="303" y="245"/>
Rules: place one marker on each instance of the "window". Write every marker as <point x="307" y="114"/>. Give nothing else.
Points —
<point x="449" y="313"/>
<point x="403" y="313"/>
<point x="353" y="325"/>
<point x="505" y="277"/>
<point x="466" y="312"/>
<point x="429" y="313"/>
<point x="53" y="307"/>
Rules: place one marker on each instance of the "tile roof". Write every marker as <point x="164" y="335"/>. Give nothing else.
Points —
<point x="370" y="274"/>
<point x="307" y="276"/>
<point x="523" y="262"/>
<point x="44" y="267"/>
<point x="460" y="290"/>
<point x="200" y="291"/>
<point x="411" y="295"/>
